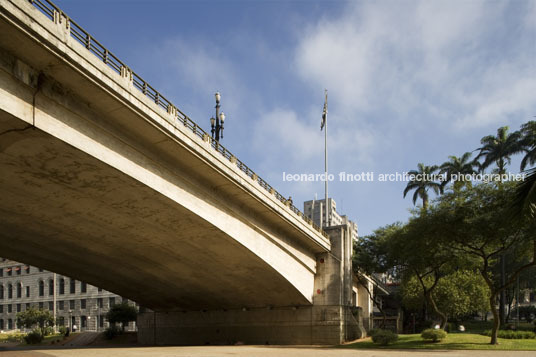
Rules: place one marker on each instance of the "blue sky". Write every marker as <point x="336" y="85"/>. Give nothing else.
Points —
<point x="408" y="81"/>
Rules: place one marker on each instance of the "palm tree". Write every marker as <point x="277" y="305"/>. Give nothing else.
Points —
<point x="499" y="149"/>
<point x="455" y="168"/>
<point x="528" y="142"/>
<point x="525" y="200"/>
<point x="421" y="180"/>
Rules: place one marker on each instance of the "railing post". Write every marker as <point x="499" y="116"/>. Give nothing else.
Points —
<point x="126" y="73"/>
<point x="63" y="23"/>
<point x="172" y="111"/>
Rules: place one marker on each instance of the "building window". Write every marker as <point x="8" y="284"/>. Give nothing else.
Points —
<point x="61" y="305"/>
<point x="10" y="324"/>
<point x="51" y="305"/>
<point x="83" y="287"/>
<point x="61" y="321"/>
<point x="1" y="271"/>
<point x="19" y="307"/>
<point x="41" y="288"/>
<point x="62" y="286"/>
<point x="1" y="309"/>
<point x="83" y="321"/>
<point x="10" y="291"/>
<point x="1" y="291"/>
<point x="40" y="270"/>
<point x="28" y="291"/>
<point x="9" y="272"/>
<point x="71" y="304"/>
<point x="18" y="270"/>
<point x="51" y="287"/>
<point x="41" y="305"/>
<point x="100" y="290"/>
<point x="111" y="302"/>
<point x="101" y="321"/>
<point x="72" y="286"/>
<point x="9" y="309"/>
<point x="1" y="324"/>
<point x="27" y="305"/>
<point x="100" y="303"/>
<point x="27" y="269"/>
<point x="83" y="303"/>
<point x="19" y="290"/>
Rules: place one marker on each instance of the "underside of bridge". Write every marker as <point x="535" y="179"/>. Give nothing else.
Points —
<point x="71" y="213"/>
<point x="96" y="184"/>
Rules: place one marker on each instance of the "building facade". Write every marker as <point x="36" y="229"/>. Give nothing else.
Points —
<point x="316" y="211"/>
<point x="79" y="305"/>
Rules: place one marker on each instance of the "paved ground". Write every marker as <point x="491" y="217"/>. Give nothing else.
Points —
<point x="252" y="351"/>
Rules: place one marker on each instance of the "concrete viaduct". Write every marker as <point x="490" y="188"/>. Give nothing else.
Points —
<point x="103" y="179"/>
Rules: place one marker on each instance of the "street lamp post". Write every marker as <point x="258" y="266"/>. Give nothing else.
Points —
<point x="99" y="317"/>
<point x="71" y="320"/>
<point x="217" y="123"/>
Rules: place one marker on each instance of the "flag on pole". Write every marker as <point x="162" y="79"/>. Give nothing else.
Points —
<point x="324" y="112"/>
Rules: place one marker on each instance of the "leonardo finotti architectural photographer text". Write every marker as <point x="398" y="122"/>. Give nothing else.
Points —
<point x="370" y="176"/>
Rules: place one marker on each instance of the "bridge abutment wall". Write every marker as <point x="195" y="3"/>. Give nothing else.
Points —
<point x="329" y="320"/>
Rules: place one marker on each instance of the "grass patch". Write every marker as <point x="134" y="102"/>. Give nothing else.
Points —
<point x="513" y="335"/>
<point x="11" y="337"/>
<point x="454" y="341"/>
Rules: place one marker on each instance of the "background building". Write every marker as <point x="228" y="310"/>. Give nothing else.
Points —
<point x="77" y="304"/>
<point x="315" y="210"/>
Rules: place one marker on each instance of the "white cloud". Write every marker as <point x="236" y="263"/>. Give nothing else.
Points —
<point x="418" y="59"/>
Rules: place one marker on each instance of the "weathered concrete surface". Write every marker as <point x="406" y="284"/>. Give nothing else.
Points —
<point x="305" y="325"/>
<point x="329" y="321"/>
<point x="99" y="183"/>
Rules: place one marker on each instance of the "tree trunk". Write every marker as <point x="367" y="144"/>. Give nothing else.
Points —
<point x="502" y="298"/>
<point x="442" y="316"/>
<point x="509" y="302"/>
<point x="496" y="320"/>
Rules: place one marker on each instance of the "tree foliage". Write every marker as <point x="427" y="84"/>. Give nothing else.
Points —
<point x="478" y="223"/>
<point x="421" y="181"/>
<point x="34" y="318"/>
<point x="122" y="313"/>
<point x="459" y="294"/>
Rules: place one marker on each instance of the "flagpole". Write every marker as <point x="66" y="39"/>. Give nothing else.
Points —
<point x="326" y="205"/>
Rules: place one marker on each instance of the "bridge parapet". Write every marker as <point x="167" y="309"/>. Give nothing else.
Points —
<point x="75" y="31"/>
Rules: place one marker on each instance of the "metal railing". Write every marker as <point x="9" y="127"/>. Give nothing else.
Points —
<point x="55" y="14"/>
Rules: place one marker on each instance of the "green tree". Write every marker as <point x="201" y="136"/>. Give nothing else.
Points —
<point x="477" y="222"/>
<point x="456" y="168"/>
<point x="32" y="318"/>
<point x="499" y="149"/>
<point x="122" y="313"/>
<point x="394" y="248"/>
<point x="528" y="143"/>
<point x="421" y="180"/>
<point x="458" y="294"/>
<point x="371" y="255"/>
<point x="525" y="199"/>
